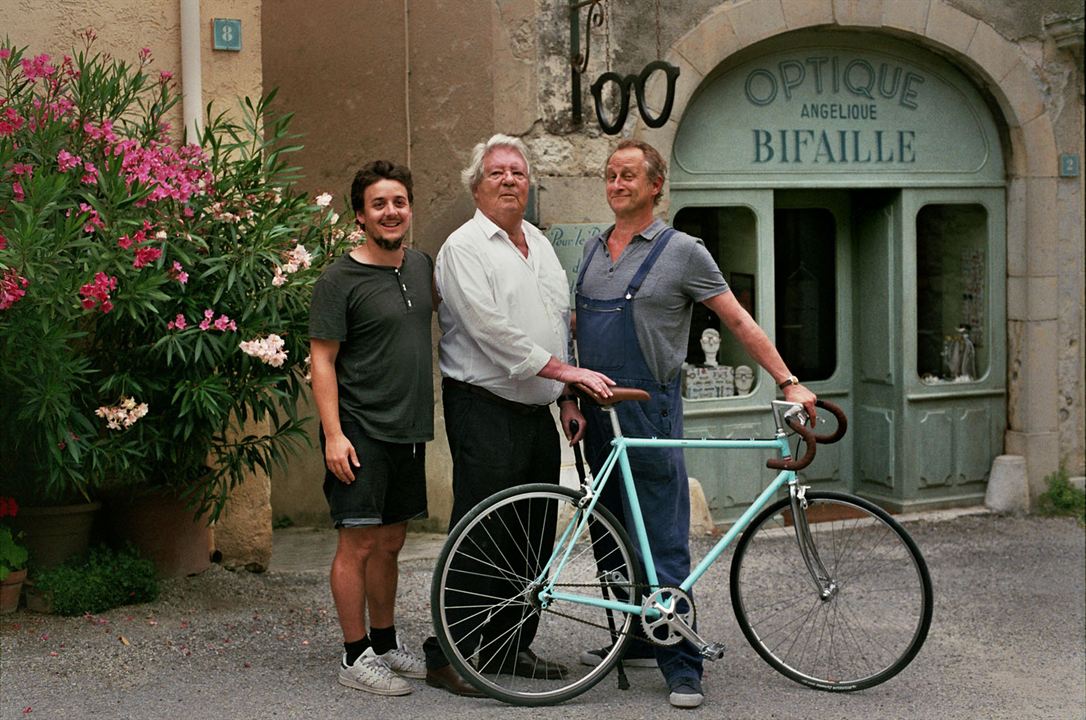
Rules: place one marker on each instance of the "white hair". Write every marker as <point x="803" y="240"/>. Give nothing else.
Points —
<point x="472" y="175"/>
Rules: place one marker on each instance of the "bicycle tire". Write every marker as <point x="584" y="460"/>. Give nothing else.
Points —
<point x="865" y="633"/>
<point x="479" y="547"/>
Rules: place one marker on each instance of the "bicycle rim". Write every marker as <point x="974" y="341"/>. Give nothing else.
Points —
<point x="868" y="630"/>
<point x="484" y="593"/>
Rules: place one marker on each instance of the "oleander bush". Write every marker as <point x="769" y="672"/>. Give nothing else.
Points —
<point x="153" y="293"/>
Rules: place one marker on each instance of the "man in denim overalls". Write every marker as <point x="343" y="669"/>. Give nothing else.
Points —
<point x="638" y="283"/>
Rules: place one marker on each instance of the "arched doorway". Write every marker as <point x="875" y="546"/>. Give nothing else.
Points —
<point x="852" y="187"/>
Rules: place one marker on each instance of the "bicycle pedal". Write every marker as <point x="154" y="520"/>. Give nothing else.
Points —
<point x="713" y="651"/>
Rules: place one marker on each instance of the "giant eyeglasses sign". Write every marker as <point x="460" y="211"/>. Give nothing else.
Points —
<point x="623" y="84"/>
<point x="613" y="125"/>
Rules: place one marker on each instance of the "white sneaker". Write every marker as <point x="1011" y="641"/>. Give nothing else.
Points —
<point x="372" y="674"/>
<point x="403" y="662"/>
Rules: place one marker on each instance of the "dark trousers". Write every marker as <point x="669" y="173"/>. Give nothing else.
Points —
<point x="663" y="492"/>
<point x="496" y="445"/>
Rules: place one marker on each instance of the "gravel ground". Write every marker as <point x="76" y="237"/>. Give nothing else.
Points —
<point x="1007" y="641"/>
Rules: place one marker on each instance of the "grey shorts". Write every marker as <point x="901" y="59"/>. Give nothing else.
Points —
<point x="389" y="488"/>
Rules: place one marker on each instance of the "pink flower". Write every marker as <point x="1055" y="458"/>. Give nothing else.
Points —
<point x="124" y="242"/>
<point x="177" y="272"/>
<point x="146" y="256"/>
<point x="178" y="323"/>
<point x="165" y="76"/>
<point x="93" y="221"/>
<point x="222" y="323"/>
<point x="3" y="242"/>
<point x="17" y="192"/>
<point x="145" y="55"/>
<point x="66" y="161"/>
<point x="97" y="292"/>
<point x="225" y="323"/>
<point x="38" y="67"/>
<point x="12" y="288"/>
<point x="5" y="53"/>
<point x="90" y="174"/>
<point x="10" y="121"/>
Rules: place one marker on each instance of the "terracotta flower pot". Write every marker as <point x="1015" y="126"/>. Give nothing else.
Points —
<point x="10" y="589"/>
<point x="163" y="530"/>
<point x="55" y="533"/>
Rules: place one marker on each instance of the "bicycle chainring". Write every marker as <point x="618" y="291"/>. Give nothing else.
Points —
<point x="674" y="605"/>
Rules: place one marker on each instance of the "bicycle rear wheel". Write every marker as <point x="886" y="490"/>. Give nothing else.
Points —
<point x="868" y="629"/>
<point x="484" y="596"/>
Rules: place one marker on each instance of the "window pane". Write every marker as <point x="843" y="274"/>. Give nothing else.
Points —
<point x="951" y="293"/>
<point x="730" y="235"/>
<point x="804" y="252"/>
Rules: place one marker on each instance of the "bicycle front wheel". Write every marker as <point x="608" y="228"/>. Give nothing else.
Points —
<point x="867" y="628"/>
<point x="485" y="596"/>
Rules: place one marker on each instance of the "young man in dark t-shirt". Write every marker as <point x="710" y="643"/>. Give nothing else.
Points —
<point x="370" y="346"/>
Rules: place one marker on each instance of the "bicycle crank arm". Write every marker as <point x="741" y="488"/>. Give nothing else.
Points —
<point x="709" y="651"/>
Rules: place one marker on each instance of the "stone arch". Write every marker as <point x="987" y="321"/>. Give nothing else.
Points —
<point x="1000" y="67"/>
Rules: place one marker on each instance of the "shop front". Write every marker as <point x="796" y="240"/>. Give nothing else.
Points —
<point x="853" y="190"/>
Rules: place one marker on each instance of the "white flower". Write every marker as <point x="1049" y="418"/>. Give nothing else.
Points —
<point x="123" y="415"/>
<point x="333" y="218"/>
<point x="299" y="257"/>
<point x="323" y="200"/>
<point x="268" y="350"/>
<point x="280" y="279"/>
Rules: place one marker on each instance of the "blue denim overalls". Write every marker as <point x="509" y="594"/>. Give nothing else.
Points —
<point x="607" y="342"/>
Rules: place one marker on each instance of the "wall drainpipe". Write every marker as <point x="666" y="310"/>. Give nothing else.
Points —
<point x="192" y="92"/>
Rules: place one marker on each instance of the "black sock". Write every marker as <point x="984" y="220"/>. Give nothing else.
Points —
<point x="355" y="649"/>
<point x="384" y="639"/>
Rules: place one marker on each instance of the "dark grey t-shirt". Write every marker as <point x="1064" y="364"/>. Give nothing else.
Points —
<point x="684" y="274"/>
<point x="381" y="317"/>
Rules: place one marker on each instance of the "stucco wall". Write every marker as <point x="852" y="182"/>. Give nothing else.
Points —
<point x="125" y="26"/>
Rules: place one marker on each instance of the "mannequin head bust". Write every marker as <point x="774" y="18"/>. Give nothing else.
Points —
<point x="744" y="379"/>
<point x="710" y="344"/>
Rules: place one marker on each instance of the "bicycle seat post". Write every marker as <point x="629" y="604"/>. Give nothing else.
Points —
<point x="610" y="410"/>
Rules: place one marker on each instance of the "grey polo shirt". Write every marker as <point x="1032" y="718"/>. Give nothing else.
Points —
<point x="684" y="274"/>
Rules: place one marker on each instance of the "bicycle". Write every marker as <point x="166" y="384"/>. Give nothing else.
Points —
<point x="839" y="605"/>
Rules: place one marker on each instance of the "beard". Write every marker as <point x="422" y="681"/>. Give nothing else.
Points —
<point x="388" y="245"/>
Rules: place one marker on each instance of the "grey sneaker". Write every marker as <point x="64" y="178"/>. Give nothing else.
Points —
<point x="593" y="658"/>
<point x="372" y="674"/>
<point x="403" y="662"/>
<point x="686" y="693"/>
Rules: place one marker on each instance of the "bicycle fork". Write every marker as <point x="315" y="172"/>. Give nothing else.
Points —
<point x="820" y="577"/>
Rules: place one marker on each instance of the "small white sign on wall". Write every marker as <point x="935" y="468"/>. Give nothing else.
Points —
<point x="568" y="241"/>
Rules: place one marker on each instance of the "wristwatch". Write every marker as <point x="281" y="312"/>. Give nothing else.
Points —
<point x="790" y="380"/>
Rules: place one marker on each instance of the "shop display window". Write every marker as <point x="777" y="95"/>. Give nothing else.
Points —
<point x="951" y="293"/>
<point x="716" y="365"/>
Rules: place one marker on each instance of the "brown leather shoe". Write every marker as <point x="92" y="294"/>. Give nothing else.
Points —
<point x="447" y="678"/>
<point x="529" y="665"/>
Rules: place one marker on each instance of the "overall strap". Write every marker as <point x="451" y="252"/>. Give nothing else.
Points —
<point x="587" y="261"/>
<point x="658" y="247"/>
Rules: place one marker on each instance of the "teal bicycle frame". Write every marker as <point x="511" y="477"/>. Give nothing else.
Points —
<point x="618" y="456"/>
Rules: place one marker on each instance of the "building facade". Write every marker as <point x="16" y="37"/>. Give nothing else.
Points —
<point x="892" y="186"/>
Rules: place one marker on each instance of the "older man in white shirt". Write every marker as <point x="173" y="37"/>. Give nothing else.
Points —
<point x="504" y="357"/>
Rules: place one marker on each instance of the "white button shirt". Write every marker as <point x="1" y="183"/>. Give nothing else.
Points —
<point x="502" y="315"/>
